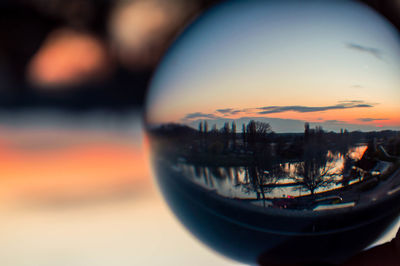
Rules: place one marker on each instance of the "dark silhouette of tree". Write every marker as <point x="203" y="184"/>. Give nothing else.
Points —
<point x="256" y="133"/>
<point x="259" y="181"/>
<point x="251" y="134"/>
<point x="233" y="130"/>
<point x="201" y="128"/>
<point x="214" y="130"/>
<point x="251" y="128"/>
<point x="312" y="175"/>
<point x="262" y="128"/>
<point x="316" y="170"/>
<point x="205" y="127"/>
<point x="244" y="134"/>
<point x="205" y="135"/>
<point x="257" y="128"/>
<point x="225" y="132"/>
<point x="233" y="134"/>
<point x="319" y="131"/>
<point x="306" y="131"/>
<point x="225" y="129"/>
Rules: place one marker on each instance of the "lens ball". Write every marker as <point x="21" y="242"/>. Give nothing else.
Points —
<point x="274" y="129"/>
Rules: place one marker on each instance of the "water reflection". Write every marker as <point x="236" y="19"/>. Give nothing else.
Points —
<point x="314" y="170"/>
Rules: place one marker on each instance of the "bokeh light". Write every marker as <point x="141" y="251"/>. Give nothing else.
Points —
<point x="68" y="58"/>
<point x="142" y="30"/>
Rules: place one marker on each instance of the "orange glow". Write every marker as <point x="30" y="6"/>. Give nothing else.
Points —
<point x="380" y="114"/>
<point x="73" y="172"/>
<point x="141" y="30"/>
<point x="68" y="57"/>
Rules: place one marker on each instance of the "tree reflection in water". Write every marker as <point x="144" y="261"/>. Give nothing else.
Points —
<point x="279" y="170"/>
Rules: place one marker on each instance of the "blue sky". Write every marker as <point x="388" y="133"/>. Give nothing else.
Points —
<point x="285" y="57"/>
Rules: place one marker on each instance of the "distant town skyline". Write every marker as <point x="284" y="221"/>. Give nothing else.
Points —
<point x="334" y="64"/>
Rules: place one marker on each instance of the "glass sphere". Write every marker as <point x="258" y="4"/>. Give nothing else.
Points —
<point x="274" y="129"/>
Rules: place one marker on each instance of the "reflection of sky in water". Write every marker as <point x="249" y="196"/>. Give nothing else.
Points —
<point x="219" y="181"/>
<point x="225" y="182"/>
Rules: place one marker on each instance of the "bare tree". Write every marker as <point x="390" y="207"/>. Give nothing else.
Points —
<point x="257" y="128"/>
<point x="263" y="128"/>
<point x="314" y="173"/>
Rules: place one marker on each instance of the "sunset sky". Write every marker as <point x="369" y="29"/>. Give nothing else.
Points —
<point x="333" y="63"/>
<point x="72" y="160"/>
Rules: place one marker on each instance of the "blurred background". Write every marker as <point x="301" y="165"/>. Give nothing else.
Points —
<point x="75" y="182"/>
